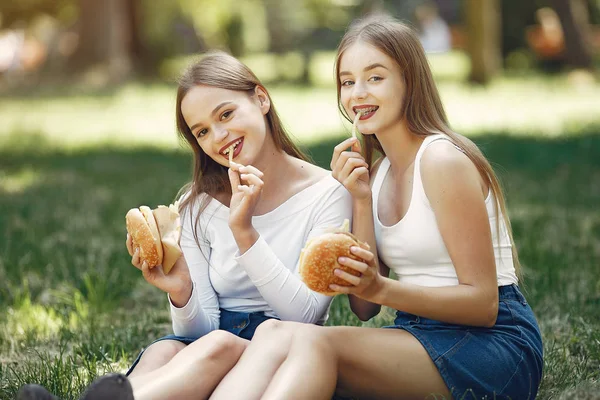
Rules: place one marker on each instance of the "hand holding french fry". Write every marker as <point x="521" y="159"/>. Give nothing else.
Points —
<point x="246" y="188"/>
<point x="351" y="169"/>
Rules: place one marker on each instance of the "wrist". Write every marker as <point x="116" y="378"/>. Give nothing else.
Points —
<point x="380" y="293"/>
<point x="182" y="295"/>
<point x="245" y="238"/>
<point x="363" y="204"/>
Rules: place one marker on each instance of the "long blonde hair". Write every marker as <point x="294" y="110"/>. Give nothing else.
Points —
<point x="220" y="70"/>
<point x="422" y="107"/>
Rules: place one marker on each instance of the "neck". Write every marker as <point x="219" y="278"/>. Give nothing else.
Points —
<point x="277" y="167"/>
<point x="400" y="146"/>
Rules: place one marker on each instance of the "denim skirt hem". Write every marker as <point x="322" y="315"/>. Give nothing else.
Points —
<point x="501" y="362"/>
<point x="241" y="324"/>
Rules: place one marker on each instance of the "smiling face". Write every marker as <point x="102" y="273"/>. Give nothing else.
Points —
<point x="225" y="120"/>
<point x="372" y="83"/>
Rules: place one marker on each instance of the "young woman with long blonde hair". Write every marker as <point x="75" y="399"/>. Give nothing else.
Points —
<point x="432" y="211"/>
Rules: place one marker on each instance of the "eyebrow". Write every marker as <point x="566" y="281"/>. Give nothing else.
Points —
<point x="367" y="68"/>
<point x="212" y="114"/>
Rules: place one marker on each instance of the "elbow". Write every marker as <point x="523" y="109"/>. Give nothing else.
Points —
<point x="365" y="314"/>
<point x="490" y="314"/>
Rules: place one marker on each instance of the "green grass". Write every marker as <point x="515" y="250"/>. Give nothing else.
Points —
<point x="72" y="306"/>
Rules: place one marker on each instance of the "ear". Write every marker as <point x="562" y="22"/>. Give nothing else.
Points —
<point x="263" y="99"/>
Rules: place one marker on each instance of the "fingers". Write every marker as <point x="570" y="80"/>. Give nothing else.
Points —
<point x="337" y="150"/>
<point x="341" y="289"/>
<point x="129" y="244"/>
<point x="251" y="176"/>
<point x="354" y="264"/>
<point x="349" y="165"/>
<point x="346" y="163"/>
<point x="357" y="147"/>
<point x="249" y="169"/>
<point x="135" y="259"/>
<point x="234" y="179"/>
<point x="252" y="180"/>
<point x="351" y="279"/>
<point x="360" y="252"/>
<point x="151" y="274"/>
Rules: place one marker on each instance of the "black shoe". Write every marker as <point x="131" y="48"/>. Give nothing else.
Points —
<point x="109" y="387"/>
<point x="34" y="392"/>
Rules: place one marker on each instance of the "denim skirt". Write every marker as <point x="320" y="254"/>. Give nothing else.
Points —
<point x="501" y="362"/>
<point x="240" y="324"/>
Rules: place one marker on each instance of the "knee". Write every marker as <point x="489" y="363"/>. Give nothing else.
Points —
<point x="160" y="353"/>
<point x="224" y="345"/>
<point x="164" y="350"/>
<point x="273" y="328"/>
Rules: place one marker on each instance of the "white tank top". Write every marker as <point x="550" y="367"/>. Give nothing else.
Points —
<point x="414" y="249"/>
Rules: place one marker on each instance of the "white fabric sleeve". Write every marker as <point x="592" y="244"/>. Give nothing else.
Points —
<point x="283" y="289"/>
<point x="201" y="313"/>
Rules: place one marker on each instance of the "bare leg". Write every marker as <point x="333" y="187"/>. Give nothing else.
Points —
<point x="267" y="350"/>
<point x="321" y="378"/>
<point x="155" y="356"/>
<point x="194" y="372"/>
<point x="369" y="363"/>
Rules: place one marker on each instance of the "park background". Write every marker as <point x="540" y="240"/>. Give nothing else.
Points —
<point x="87" y="92"/>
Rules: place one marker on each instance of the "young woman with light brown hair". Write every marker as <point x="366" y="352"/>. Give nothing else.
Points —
<point x="253" y="203"/>
<point x="432" y="211"/>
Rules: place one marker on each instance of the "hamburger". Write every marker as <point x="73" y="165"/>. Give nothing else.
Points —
<point x="319" y="259"/>
<point x="156" y="234"/>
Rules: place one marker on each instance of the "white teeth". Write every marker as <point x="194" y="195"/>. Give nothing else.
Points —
<point x="232" y="147"/>
<point x="364" y="111"/>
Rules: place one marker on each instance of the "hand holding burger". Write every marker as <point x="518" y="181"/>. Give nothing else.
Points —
<point x="155" y="233"/>
<point x="319" y="259"/>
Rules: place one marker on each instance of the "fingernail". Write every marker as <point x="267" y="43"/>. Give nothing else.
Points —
<point x="342" y="259"/>
<point x="353" y="249"/>
<point x="337" y="272"/>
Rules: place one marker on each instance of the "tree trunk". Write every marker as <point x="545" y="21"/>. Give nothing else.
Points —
<point x="484" y="39"/>
<point x="108" y="36"/>
<point x="574" y="18"/>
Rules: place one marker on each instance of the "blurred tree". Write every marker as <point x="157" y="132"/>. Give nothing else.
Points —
<point x="484" y="36"/>
<point x="108" y="36"/>
<point x="23" y="12"/>
<point x="574" y="18"/>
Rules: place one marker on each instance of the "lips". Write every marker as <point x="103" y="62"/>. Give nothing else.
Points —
<point x="224" y="150"/>
<point x="237" y="148"/>
<point x="366" y="111"/>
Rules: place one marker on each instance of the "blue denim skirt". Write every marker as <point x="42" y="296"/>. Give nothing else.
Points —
<point x="240" y="324"/>
<point x="501" y="362"/>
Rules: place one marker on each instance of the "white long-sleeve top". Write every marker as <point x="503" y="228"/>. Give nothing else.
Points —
<point x="264" y="278"/>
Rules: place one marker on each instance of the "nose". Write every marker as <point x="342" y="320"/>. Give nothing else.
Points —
<point x="359" y="91"/>
<point x="220" y="133"/>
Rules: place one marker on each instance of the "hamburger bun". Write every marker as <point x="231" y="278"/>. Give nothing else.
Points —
<point x="156" y="233"/>
<point x="142" y="227"/>
<point x="319" y="259"/>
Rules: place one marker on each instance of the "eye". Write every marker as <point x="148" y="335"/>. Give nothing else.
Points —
<point x="375" y="78"/>
<point x="347" y="82"/>
<point x="226" y="115"/>
<point x="201" y="133"/>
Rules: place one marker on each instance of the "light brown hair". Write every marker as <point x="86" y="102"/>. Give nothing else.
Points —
<point x="220" y="70"/>
<point x="422" y="108"/>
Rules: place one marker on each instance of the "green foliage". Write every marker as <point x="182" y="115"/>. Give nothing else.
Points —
<point x="25" y="11"/>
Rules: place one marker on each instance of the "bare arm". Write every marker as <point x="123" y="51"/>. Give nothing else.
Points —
<point x="350" y="168"/>
<point x="454" y="188"/>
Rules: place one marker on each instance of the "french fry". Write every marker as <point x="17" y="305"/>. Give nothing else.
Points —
<point x="354" y="130"/>
<point x="230" y="154"/>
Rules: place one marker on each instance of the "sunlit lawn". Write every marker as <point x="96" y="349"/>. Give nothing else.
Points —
<point x="72" y="307"/>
